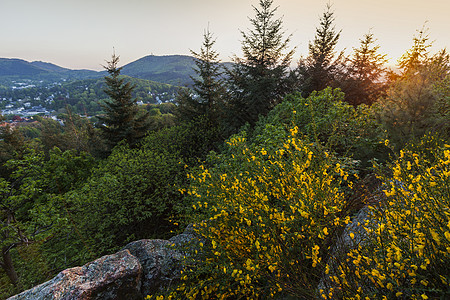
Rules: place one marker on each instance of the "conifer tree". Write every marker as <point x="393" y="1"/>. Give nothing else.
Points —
<point x="418" y="55"/>
<point x="323" y="65"/>
<point x="208" y="88"/>
<point x="260" y="79"/>
<point x="123" y="120"/>
<point x="415" y="104"/>
<point x="366" y="73"/>
<point x="202" y="106"/>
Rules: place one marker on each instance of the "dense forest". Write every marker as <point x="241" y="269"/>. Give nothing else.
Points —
<point x="269" y="162"/>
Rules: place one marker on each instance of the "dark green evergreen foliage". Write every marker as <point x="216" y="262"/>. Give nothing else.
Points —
<point x="130" y="196"/>
<point x="324" y="118"/>
<point x="323" y="66"/>
<point x="123" y="120"/>
<point x="260" y="79"/>
<point x="195" y="139"/>
<point x="208" y="89"/>
<point x="366" y="74"/>
<point x="417" y="101"/>
<point x="202" y="108"/>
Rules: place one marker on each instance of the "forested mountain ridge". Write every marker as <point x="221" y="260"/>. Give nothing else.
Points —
<point x="173" y="69"/>
<point x="170" y="69"/>
<point x="19" y="68"/>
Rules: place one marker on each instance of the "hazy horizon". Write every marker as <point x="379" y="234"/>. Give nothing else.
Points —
<point x="81" y="34"/>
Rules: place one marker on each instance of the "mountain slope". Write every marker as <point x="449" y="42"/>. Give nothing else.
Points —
<point x="38" y="70"/>
<point x="49" y="67"/>
<point x="19" y="67"/>
<point x="172" y="69"/>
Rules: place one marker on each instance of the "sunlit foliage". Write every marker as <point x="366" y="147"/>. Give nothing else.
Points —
<point x="417" y="101"/>
<point x="405" y="253"/>
<point x="324" y="118"/>
<point x="270" y="216"/>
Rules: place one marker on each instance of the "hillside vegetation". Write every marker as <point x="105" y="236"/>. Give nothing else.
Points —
<point x="327" y="181"/>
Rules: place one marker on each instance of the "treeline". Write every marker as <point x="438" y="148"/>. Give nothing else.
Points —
<point x="276" y="159"/>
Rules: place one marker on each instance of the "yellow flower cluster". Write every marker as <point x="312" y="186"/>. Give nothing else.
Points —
<point x="407" y="251"/>
<point x="271" y="215"/>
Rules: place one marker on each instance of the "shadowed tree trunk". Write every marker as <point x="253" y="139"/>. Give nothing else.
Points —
<point x="8" y="266"/>
<point x="7" y="263"/>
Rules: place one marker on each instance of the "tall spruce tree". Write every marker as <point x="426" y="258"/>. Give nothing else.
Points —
<point x="366" y="73"/>
<point x="260" y="79"/>
<point x="323" y="65"/>
<point x="202" y="106"/>
<point x="208" y="88"/>
<point x="123" y="120"/>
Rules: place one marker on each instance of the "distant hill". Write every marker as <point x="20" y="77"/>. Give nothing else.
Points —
<point x="171" y="69"/>
<point x="19" y="67"/>
<point x="71" y="74"/>
<point x="49" y="67"/>
<point x="13" y="68"/>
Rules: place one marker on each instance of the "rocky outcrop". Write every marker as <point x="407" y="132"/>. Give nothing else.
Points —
<point x="116" y="276"/>
<point x="160" y="263"/>
<point x="139" y="269"/>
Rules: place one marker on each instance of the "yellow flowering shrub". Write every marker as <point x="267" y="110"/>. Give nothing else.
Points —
<point x="270" y="217"/>
<point x="406" y="253"/>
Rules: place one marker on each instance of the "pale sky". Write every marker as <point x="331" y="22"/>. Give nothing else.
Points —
<point x="81" y="34"/>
